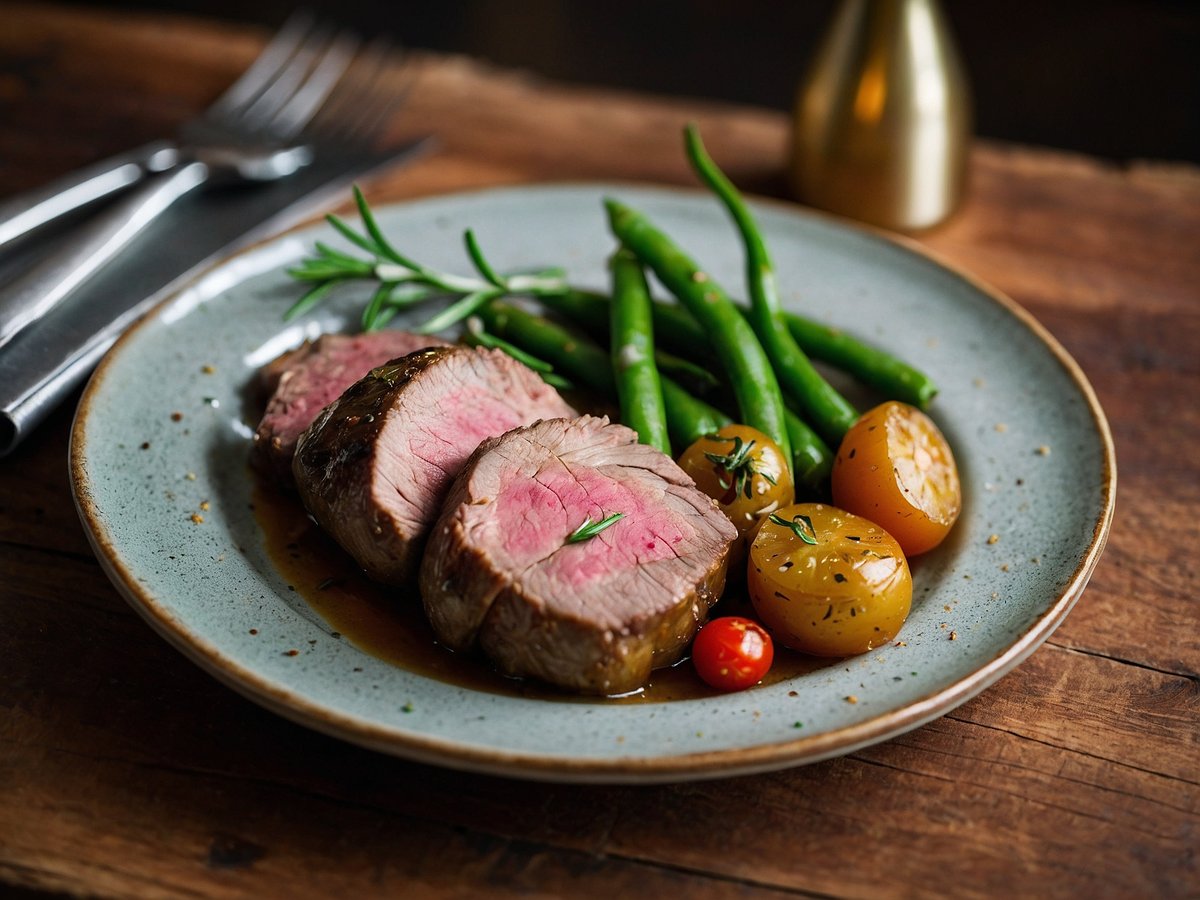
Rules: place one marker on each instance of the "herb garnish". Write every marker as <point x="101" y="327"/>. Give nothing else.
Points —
<point x="402" y="282"/>
<point x="738" y="463"/>
<point x="590" y="529"/>
<point x="801" y="526"/>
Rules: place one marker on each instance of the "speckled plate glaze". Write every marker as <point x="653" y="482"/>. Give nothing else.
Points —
<point x="1032" y="442"/>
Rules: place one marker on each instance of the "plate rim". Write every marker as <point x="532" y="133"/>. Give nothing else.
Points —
<point x="729" y="762"/>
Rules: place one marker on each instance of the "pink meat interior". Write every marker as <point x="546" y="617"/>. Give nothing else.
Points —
<point x="438" y="423"/>
<point x="535" y="504"/>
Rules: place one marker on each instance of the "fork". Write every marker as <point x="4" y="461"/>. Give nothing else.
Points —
<point x="258" y="133"/>
<point x="26" y="213"/>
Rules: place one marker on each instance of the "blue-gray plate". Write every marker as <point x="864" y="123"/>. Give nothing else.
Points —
<point x="159" y="469"/>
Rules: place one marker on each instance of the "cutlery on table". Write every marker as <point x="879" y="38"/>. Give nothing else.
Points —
<point x="24" y="214"/>
<point x="325" y="92"/>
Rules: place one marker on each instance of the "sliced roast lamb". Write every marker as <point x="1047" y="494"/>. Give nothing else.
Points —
<point x="374" y="467"/>
<point x="302" y="382"/>
<point x="595" y="615"/>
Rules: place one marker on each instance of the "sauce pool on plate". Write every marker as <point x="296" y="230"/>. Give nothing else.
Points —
<point x="391" y="625"/>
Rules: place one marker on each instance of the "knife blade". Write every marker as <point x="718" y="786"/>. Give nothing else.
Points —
<point x="51" y="357"/>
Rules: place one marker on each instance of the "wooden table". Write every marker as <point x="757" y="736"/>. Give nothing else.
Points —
<point x="126" y="771"/>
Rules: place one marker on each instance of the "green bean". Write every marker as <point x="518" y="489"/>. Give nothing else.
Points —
<point x="675" y="329"/>
<point x="828" y="410"/>
<point x="695" y="377"/>
<point x="812" y="460"/>
<point x="475" y="335"/>
<point x="592" y="312"/>
<point x="688" y="417"/>
<point x="674" y="326"/>
<point x="577" y="357"/>
<point x="891" y="377"/>
<point x="759" y="401"/>
<point x="811" y="457"/>
<point x="588" y="309"/>
<point x="585" y="363"/>
<point x="639" y="390"/>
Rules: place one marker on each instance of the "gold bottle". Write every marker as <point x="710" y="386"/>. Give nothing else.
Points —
<point x="882" y="121"/>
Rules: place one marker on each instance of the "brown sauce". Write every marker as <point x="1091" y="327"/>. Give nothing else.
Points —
<point x="390" y="623"/>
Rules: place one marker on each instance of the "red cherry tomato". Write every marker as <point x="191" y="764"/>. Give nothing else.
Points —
<point x="732" y="653"/>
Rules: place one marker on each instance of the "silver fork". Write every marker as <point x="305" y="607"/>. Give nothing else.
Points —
<point x="255" y="135"/>
<point x="24" y="214"/>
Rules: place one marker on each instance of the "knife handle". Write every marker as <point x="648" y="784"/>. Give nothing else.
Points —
<point x="60" y="274"/>
<point x="25" y="213"/>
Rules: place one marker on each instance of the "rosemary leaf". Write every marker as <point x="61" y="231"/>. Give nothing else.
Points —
<point x="335" y="255"/>
<point x="458" y="310"/>
<point x="590" y="529"/>
<point x="310" y="299"/>
<point x="370" y="316"/>
<point x="475" y="335"/>
<point x="481" y="264"/>
<point x="373" y="229"/>
<point x="385" y="316"/>
<point x="478" y="337"/>
<point x="352" y="236"/>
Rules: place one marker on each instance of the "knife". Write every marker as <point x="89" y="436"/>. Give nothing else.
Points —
<point x="52" y="356"/>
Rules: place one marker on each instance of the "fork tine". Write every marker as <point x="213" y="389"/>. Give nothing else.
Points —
<point x="287" y="81"/>
<point x="359" y="111"/>
<point x="377" y="119"/>
<point x="266" y="66"/>
<point x="356" y="88"/>
<point x="296" y="113"/>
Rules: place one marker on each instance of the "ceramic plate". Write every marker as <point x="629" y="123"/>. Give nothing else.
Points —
<point x="159" y="467"/>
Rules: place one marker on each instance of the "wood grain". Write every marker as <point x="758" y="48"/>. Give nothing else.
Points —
<point x="127" y="772"/>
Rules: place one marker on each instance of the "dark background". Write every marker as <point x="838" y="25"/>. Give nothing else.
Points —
<point x="1114" y="78"/>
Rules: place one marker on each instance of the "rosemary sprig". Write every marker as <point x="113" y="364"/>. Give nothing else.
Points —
<point x="401" y="282"/>
<point x="738" y="463"/>
<point x="590" y="529"/>
<point x="801" y="526"/>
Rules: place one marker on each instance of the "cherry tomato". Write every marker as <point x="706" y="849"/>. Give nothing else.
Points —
<point x="744" y="471"/>
<point x="895" y="468"/>
<point x="828" y="582"/>
<point x="732" y="653"/>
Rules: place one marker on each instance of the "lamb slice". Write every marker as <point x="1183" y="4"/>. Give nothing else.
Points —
<point x="374" y="467"/>
<point x="594" y="616"/>
<point x="302" y="382"/>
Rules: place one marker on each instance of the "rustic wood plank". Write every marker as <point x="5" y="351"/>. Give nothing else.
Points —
<point x="219" y="844"/>
<point x="1015" y="776"/>
<point x="35" y="498"/>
